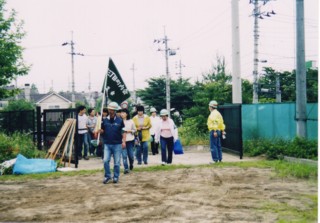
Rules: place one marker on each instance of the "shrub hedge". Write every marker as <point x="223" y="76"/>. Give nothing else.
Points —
<point x="12" y="145"/>
<point x="275" y="148"/>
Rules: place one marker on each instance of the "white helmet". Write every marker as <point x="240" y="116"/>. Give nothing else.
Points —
<point x="153" y="110"/>
<point x="164" y="112"/>
<point x="113" y="106"/>
<point x="213" y="104"/>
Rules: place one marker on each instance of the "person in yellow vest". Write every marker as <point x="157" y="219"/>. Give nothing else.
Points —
<point x="143" y="125"/>
<point x="216" y="128"/>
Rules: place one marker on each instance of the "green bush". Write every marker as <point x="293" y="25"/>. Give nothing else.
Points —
<point x="11" y="146"/>
<point x="189" y="137"/>
<point x="275" y="148"/>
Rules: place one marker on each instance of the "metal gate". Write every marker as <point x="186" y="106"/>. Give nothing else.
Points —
<point x="53" y="119"/>
<point x="18" y="121"/>
<point x="232" y="118"/>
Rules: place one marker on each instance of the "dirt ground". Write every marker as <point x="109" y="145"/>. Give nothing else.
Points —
<point x="183" y="195"/>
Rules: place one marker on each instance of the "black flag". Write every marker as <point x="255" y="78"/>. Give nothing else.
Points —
<point x="114" y="86"/>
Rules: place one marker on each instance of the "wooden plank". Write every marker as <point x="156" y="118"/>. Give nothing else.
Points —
<point x="58" y="139"/>
<point x="72" y="143"/>
<point x="62" y="139"/>
<point x="69" y="140"/>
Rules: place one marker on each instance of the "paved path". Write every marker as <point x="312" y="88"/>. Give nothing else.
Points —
<point x="195" y="156"/>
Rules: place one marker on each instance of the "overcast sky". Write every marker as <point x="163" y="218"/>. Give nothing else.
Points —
<point x="125" y="31"/>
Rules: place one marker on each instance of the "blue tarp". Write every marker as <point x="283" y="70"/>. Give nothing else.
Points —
<point x="27" y="166"/>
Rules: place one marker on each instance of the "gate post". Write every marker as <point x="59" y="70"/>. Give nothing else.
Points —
<point x="39" y="133"/>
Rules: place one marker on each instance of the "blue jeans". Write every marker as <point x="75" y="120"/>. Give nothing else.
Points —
<point x="166" y="143"/>
<point x="144" y="147"/>
<point x="128" y="153"/>
<point x="215" y="146"/>
<point x="83" y="140"/>
<point x="91" y="147"/>
<point x="110" y="150"/>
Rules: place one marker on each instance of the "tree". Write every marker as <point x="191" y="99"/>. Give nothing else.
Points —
<point x="155" y="94"/>
<point x="11" y="61"/>
<point x="19" y="105"/>
<point x="216" y="85"/>
<point x="287" y="85"/>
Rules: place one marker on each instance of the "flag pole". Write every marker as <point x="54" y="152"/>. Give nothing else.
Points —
<point x="102" y="103"/>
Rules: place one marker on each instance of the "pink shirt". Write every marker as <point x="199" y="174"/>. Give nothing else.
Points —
<point x="165" y="130"/>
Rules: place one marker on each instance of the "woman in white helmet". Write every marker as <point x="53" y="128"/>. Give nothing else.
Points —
<point x="166" y="134"/>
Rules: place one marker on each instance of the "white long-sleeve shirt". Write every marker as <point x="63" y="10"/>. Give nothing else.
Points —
<point x="155" y="122"/>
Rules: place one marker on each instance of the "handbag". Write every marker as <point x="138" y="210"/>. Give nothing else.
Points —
<point x="177" y="147"/>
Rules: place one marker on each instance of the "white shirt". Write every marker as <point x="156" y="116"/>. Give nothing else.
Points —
<point x="155" y="122"/>
<point x="82" y="124"/>
<point x="129" y="125"/>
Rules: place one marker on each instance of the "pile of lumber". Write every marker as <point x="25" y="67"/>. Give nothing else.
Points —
<point x="63" y="143"/>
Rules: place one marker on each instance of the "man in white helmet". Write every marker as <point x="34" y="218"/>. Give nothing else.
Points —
<point x="114" y="141"/>
<point x="216" y="127"/>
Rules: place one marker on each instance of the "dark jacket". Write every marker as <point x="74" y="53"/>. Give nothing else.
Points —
<point x="112" y="130"/>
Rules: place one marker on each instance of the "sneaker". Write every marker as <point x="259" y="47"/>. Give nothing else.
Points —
<point x="126" y="171"/>
<point x="146" y="163"/>
<point x="79" y="158"/>
<point x="163" y="163"/>
<point x="115" y="180"/>
<point x="106" y="180"/>
<point x="91" y="154"/>
<point x="86" y="158"/>
<point x="139" y="163"/>
<point x="213" y="162"/>
<point x="131" y="167"/>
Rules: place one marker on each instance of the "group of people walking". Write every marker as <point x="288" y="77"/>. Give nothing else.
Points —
<point x="121" y="134"/>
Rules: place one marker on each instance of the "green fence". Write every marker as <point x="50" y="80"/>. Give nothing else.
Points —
<point x="276" y="121"/>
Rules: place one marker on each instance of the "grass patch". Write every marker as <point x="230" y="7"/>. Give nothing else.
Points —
<point x="282" y="169"/>
<point x="288" y="213"/>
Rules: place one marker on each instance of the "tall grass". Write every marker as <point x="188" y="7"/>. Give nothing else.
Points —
<point x="12" y="145"/>
<point x="192" y="137"/>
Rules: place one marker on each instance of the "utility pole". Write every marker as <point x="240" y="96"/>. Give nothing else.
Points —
<point x="168" y="52"/>
<point x="134" y="88"/>
<point x="257" y="15"/>
<point x="278" y="91"/>
<point x="167" y="73"/>
<point x="301" y="93"/>
<point x="255" y="99"/>
<point x="89" y="87"/>
<point x="236" y="71"/>
<point x="180" y="66"/>
<point x="71" y="43"/>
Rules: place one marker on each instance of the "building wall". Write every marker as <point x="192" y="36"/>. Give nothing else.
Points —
<point x="54" y="102"/>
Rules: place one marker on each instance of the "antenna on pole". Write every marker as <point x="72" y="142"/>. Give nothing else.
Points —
<point x="133" y="85"/>
<point x="257" y="15"/>
<point x="71" y="43"/>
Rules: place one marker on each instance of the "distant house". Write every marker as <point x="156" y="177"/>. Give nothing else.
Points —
<point x="54" y="101"/>
<point x="51" y="100"/>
